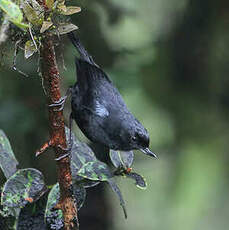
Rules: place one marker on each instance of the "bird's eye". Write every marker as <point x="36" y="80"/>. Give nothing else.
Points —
<point x="134" y="138"/>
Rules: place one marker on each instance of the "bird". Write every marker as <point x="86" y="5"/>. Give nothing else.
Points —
<point x="99" y="109"/>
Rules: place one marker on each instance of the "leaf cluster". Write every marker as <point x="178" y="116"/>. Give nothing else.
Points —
<point x="34" y="19"/>
<point x="26" y="187"/>
<point x="31" y="13"/>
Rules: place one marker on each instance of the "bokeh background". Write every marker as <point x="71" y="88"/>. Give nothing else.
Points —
<point x="170" y="61"/>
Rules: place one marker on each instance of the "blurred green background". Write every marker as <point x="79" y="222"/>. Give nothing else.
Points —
<point x="169" y="59"/>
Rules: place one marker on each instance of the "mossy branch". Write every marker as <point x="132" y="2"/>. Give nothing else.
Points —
<point x="51" y="77"/>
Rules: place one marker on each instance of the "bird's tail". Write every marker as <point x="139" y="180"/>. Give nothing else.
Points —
<point x="82" y="51"/>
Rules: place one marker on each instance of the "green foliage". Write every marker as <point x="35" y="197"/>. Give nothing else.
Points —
<point x="68" y="10"/>
<point x="64" y="28"/>
<point x="95" y="171"/>
<point x="84" y="165"/>
<point x="8" y="162"/>
<point x="49" y="3"/>
<point x="30" y="49"/>
<point x="36" y="14"/>
<point x="32" y="216"/>
<point x="33" y="12"/>
<point x="139" y="180"/>
<point x="116" y="189"/>
<point x="23" y="187"/>
<point x="121" y="159"/>
<point x="52" y="18"/>
<point x="53" y="216"/>
<point x="13" y="13"/>
<point x="26" y="186"/>
<point x="45" y="26"/>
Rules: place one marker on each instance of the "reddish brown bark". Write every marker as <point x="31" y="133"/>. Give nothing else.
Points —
<point x="51" y="77"/>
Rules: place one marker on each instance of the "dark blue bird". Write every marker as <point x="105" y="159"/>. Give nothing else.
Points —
<point x="99" y="109"/>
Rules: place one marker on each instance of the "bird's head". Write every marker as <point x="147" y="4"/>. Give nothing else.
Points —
<point x="140" y="140"/>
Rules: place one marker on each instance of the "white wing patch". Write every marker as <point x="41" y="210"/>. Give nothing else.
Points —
<point x="100" y="110"/>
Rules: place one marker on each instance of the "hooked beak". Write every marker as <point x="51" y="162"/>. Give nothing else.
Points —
<point x="148" y="152"/>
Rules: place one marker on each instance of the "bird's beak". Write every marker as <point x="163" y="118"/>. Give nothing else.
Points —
<point x="148" y="152"/>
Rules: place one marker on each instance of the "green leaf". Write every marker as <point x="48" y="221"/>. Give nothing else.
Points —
<point x="8" y="162"/>
<point x="32" y="216"/>
<point x="13" y="12"/>
<point x="49" y="3"/>
<point x="45" y="26"/>
<point x="139" y="180"/>
<point x="61" y="5"/>
<point x="84" y="164"/>
<point x="95" y="170"/>
<point x="79" y="194"/>
<point x="23" y="187"/>
<point x="81" y="153"/>
<point x="53" y="216"/>
<point x="69" y="10"/>
<point x="65" y="28"/>
<point x="20" y="25"/>
<point x="54" y="195"/>
<point x="122" y="159"/>
<point x="34" y="16"/>
<point x="86" y="167"/>
<point x="116" y="189"/>
<point x="36" y="6"/>
<point x="30" y="49"/>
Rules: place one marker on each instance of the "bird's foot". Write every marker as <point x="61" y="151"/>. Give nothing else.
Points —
<point x="60" y="102"/>
<point x="62" y="156"/>
<point x="66" y="154"/>
<point x="51" y="143"/>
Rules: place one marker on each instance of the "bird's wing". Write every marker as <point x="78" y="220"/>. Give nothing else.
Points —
<point x="97" y="109"/>
<point x="88" y="75"/>
<point x="100" y="109"/>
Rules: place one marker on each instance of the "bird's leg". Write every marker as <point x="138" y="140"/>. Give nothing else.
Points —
<point x="70" y="142"/>
<point x="63" y="156"/>
<point x="51" y="142"/>
<point x="61" y="101"/>
<point x="70" y="132"/>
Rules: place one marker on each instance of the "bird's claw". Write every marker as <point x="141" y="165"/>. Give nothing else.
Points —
<point x="64" y="149"/>
<point x="60" y="103"/>
<point x="67" y="150"/>
<point x="62" y="157"/>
